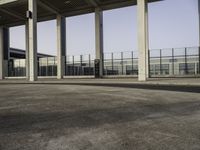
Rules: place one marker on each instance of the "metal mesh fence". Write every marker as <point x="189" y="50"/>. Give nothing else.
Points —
<point x="162" y="62"/>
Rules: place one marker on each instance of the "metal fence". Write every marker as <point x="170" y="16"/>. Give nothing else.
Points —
<point x="162" y="62"/>
<point x="124" y="63"/>
<point x="174" y="62"/>
<point x="16" y="68"/>
<point x="82" y="65"/>
<point x="47" y="66"/>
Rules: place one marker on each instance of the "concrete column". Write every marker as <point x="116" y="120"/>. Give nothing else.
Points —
<point x="199" y="19"/>
<point x="32" y="39"/>
<point x="61" y="46"/>
<point x="1" y="54"/>
<point x="143" y="46"/>
<point x="99" y="38"/>
<point x="199" y="33"/>
<point x="27" y="50"/>
<point x="4" y="51"/>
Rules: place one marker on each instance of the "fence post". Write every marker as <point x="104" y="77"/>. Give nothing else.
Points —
<point x="46" y="67"/>
<point x="40" y="71"/>
<point x="173" y="61"/>
<point x="132" y="62"/>
<point x="112" y="63"/>
<point x="149" y="63"/>
<point x="81" y="63"/>
<point x="89" y="65"/>
<point x="199" y="62"/>
<point x="73" y="72"/>
<point x="65" y="65"/>
<point x="19" y="67"/>
<point x="160" y="61"/>
<point x="186" y="66"/>
<point x="122" y="63"/>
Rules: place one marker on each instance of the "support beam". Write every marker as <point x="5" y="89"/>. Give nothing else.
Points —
<point x="143" y="45"/>
<point x="99" y="38"/>
<point x="48" y="7"/>
<point x="4" y="52"/>
<point x="32" y="38"/>
<point x="2" y="2"/>
<point x="12" y="13"/>
<point x="94" y="3"/>
<point x="61" y="46"/>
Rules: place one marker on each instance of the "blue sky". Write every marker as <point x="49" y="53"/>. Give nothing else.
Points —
<point x="172" y="23"/>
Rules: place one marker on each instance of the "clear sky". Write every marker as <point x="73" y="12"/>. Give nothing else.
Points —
<point x="172" y="23"/>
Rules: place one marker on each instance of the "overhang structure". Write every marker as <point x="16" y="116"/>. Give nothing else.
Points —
<point x="29" y="12"/>
<point x="13" y="12"/>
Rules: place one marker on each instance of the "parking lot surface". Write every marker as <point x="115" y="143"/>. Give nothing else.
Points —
<point x="74" y="117"/>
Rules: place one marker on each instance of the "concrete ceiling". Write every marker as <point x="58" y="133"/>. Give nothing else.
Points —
<point x="14" y="12"/>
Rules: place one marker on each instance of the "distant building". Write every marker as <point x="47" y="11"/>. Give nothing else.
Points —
<point x="19" y="53"/>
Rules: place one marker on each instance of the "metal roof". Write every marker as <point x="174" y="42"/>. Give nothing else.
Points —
<point x="19" y="53"/>
<point x="13" y="12"/>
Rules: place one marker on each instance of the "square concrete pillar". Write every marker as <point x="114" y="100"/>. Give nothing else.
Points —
<point x="199" y="32"/>
<point x="4" y="51"/>
<point x="143" y="43"/>
<point x="32" y="40"/>
<point x="99" y="38"/>
<point x="27" y="50"/>
<point x="199" y="19"/>
<point x="61" y="46"/>
<point x="1" y="55"/>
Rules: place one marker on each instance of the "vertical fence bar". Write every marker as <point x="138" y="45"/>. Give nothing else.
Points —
<point x="122" y="62"/>
<point x="39" y="67"/>
<point x="89" y="65"/>
<point x="81" y="63"/>
<point x="160" y="61"/>
<point x="112" y="62"/>
<point x="73" y="72"/>
<point x="149" y="63"/>
<point x="186" y="66"/>
<point x="46" y="67"/>
<point x="132" y="62"/>
<point x="19" y="68"/>
<point x="52" y="69"/>
<point x="67" y="69"/>
<point x="65" y="65"/>
<point x="173" y="61"/>
<point x="199" y="62"/>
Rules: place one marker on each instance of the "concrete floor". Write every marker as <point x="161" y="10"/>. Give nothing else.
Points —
<point x="73" y="117"/>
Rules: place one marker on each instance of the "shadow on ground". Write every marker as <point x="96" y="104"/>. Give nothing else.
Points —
<point x="44" y="122"/>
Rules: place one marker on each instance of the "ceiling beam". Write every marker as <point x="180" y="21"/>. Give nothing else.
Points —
<point x="94" y="3"/>
<point x="2" y="2"/>
<point x="48" y="7"/>
<point x="13" y="14"/>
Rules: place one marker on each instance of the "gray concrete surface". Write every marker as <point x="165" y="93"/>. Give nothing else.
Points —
<point x="73" y="117"/>
<point x="157" y="81"/>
